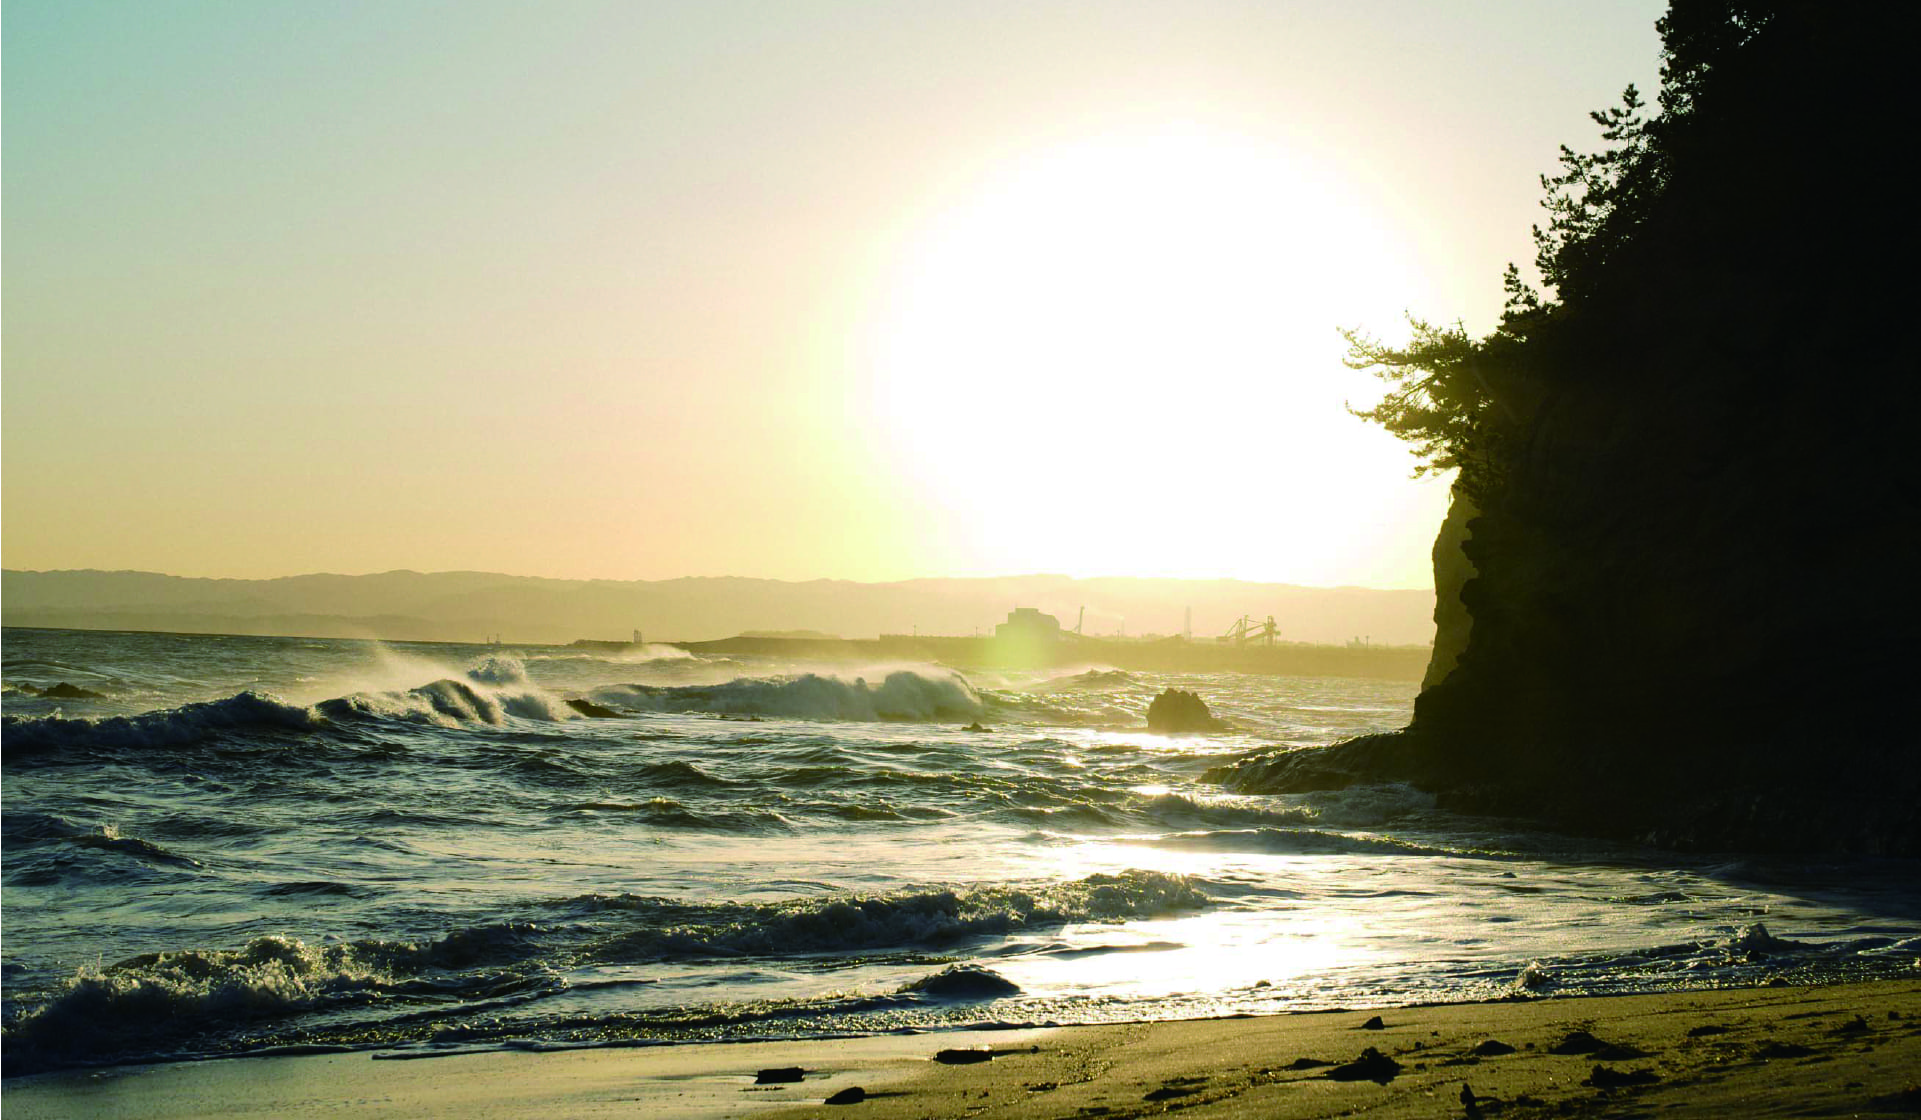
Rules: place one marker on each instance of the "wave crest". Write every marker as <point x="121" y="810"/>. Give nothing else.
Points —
<point x="168" y="727"/>
<point x="492" y="691"/>
<point x="127" y="1007"/>
<point x="904" y="695"/>
<point x="883" y="921"/>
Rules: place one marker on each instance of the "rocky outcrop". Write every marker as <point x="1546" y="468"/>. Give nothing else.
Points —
<point x="964" y="982"/>
<point x="61" y="691"/>
<point x="1694" y="612"/>
<point x="1452" y="570"/>
<point x="1663" y="650"/>
<point x="1175" y="711"/>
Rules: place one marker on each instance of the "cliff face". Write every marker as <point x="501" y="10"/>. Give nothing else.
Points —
<point x="1679" y="634"/>
<point x="1687" y="634"/>
<point x="1452" y="570"/>
<point x="1694" y="607"/>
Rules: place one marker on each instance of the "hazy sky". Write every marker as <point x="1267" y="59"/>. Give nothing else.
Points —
<point x="788" y="289"/>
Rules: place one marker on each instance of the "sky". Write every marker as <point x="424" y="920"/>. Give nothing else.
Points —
<point x="796" y="290"/>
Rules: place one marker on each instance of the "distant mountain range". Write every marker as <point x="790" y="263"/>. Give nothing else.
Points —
<point x="470" y="606"/>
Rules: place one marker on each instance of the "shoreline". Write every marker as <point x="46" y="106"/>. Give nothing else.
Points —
<point x="1850" y="1048"/>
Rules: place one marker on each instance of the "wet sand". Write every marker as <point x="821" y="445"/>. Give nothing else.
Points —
<point x="1842" y="1050"/>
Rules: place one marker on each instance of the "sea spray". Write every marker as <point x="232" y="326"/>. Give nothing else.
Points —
<point x="439" y="866"/>
<point x="903" y="695"/>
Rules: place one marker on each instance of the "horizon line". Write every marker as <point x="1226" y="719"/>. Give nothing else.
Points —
<point x="674" y="579"/>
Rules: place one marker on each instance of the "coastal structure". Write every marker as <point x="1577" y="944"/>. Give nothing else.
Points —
<point x="1028" y="624"/>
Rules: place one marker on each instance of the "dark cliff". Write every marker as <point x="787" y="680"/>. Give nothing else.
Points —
<point x="1694" y="607"/>
<point x="1452" y="570"/>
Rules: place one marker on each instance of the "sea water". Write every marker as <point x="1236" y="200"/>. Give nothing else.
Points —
<point x="247" y="845"/>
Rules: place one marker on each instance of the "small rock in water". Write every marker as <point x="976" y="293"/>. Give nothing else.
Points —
<point x="1758" y="942"/>
<point x="1706" y="1029"/>
<point x="1169" y="1092"/>
<point x="1307" y="1063"/>
<point x="592" y="710"/>
<point x="963" y="1057"/>
<point x="976" y="726"/>
<point x="781" y="1075"/>
<point x="1577" y="1042"/>
<point x="1374" y="1024"/>
<point x="964" y="981"/>
<point x="1493" y="1047"/>
<point x="853" y="1094"/>
<point x="65" y="691"/>
<point x="1176" y="710"/>
<point x="1372" y="1065"/>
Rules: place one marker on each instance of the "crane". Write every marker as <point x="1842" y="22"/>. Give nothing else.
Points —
<point x="1246" y="629"/>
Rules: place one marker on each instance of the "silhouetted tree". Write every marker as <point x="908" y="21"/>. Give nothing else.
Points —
<point x="1672" y="212"/>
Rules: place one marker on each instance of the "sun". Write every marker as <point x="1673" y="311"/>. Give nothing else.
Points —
<point x="1134" y="331"/>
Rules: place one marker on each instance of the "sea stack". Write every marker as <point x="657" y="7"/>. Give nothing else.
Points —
<point x="1176" y="710"/>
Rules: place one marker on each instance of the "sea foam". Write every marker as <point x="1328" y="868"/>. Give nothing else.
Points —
<point x="903" y="695"/>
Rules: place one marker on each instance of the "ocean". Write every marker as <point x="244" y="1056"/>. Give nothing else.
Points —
<point x="247" y="845"/>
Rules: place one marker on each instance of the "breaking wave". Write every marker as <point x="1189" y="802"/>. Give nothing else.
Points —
<point x="1294" y="841"/>
<point x="172" y="727"/>
<point x="141" y="1005"/>
<point x="160" y="1002"/>
<point x="26" y="829"/>
<point x="1091" y="679"/>
<point x="894" y="920"/>
<point x="903" y="695"/>
<point x="492" y="691"/>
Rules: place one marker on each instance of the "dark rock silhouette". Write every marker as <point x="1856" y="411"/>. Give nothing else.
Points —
<point x="964" y="981"/>
<point x="1452" y="570"/>
<point x="1372" y="1065"/>
<point x="1577" y="1042"/>
<point x="1176" y="710"/>
<point x="592" y="710"/>
<point x="1692" y="605"/>
<point x="1170" y="1092"/>
<point x="63" y="691"/>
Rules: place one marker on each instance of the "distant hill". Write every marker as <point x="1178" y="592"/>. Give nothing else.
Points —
<point x="469" y="606"/>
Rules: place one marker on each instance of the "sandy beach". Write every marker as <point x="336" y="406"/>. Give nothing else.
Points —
<point x="1837" y="1050"/>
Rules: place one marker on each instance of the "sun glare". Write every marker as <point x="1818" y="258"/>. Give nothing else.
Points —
<point x="1119" y="330"/>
